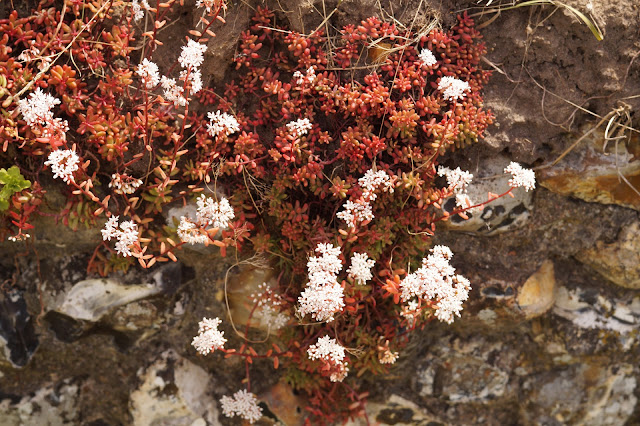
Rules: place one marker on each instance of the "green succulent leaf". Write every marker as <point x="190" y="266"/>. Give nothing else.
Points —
<point x="13" y="182"/>
<point x="13" y="179"/>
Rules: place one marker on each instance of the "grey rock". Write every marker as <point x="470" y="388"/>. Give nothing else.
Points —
<point x="18" y="339"/>
<point x="49" y="406"/>
<point x="502" y="215"/>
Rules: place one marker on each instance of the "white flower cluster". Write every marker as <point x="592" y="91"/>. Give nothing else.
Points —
<point x="19" y="237"/>
<point x="216" y="213"/>
<point x="437" y="280"/>
<point x="221" y="123"/>
<point x="149" y="73"/>
<point x="301" y="79"/>
<point x="300" y="127"/>
<point x="138" y="13"/>
<point x="173" y="92"/>
<point x="332" y="353"/>
<point x="127" y="235"/>
<point x="195" y="78"/>
<point x="190" y="233"/>
<point x="32" y="53"/>
<point x="208" y="213"/>
<point x="356" y="212"/>
<point x="521" y="177"/>
<point x="387" y="357"/>
<point x="206" y="3"/>
<point x="372" y="180"/>
<point x="124" y="184"/>
<point x="209" y="338"/>
<point x="268" y="308"/>
<point x="36" y="110"/>
<point x="360" y="268"/>
<point x="323" y="296"/>
<point x="411" y="311"/>
<point x="192" y="55"/>
<point x="427" y="57"/>
<point x="458" y="180"/>
<point x="63" y="163"/>
<point x="360" y="210"/>
<point x="243" y="404"/>
<point x="453" y="88"/>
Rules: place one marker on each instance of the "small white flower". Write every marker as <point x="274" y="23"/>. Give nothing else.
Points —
<point x="522" y="177"/>
<point x="453" y="88"/>
<point x="110" y="229"/>
<point x="124" y="184"/>
<point x="427" y="57"/>
<point x="192" y="54"/>
<point x="360" y="210"/>
<point x="322" y="302"/>
<point x="211" y="212"/>
<point x="387" y="357"/>
<point x="209" y="338"/>
<point x="243" y="404"/>
<point x="206" y="3"/>
<point x="268" y="308"/>
<point x="127" y="235"/>
<point x="138" y="13"/>
<point x="195" y="77"/>
<point x="354" y="213"/>
<point x="149" y="73"/>
<point x="299" y="127"/>
<point x="328" y="261"/>
<point x="457" y="179"/>
<point x="323" y="296"/>
<point x="63" y="163"/>
<point x="221" y="123"/>
<point x="450" y="303"/>
<point x="20" y="237"/>
<point x="300" y="79"/>
<point x="436" y="280"/>
<point x="372" y="180"/>
<point x="327" y="349"/>
<point x="190" y="233"/>
<point x="37" y="108"/>
<point x="173" y="92"/>
<point x="360" y="268"/>
<point x="331" y="352"/>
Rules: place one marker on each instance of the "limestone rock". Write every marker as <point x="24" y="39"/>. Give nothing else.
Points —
<point x="619" y="261"/>
<point x="91" y="299"/>
<point x="591" y="174"/>
<point x="586" y="394"/>
<point x="396" y="411"/>
<point x="173" y="392"/>
<point x="50" y="405"/>
<point x="537" y="295"/>
<point x="579" y="307"/>
<point x="462" y="373"/>
<point x="285" y="404"/>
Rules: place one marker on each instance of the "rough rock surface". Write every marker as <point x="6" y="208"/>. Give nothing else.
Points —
<point x="526" y="351"/>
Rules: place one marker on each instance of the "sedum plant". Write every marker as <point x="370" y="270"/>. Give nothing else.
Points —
<point x="323" y="152"/>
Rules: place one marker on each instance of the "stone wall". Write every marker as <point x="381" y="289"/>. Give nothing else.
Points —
<point x="548" y="337"/>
